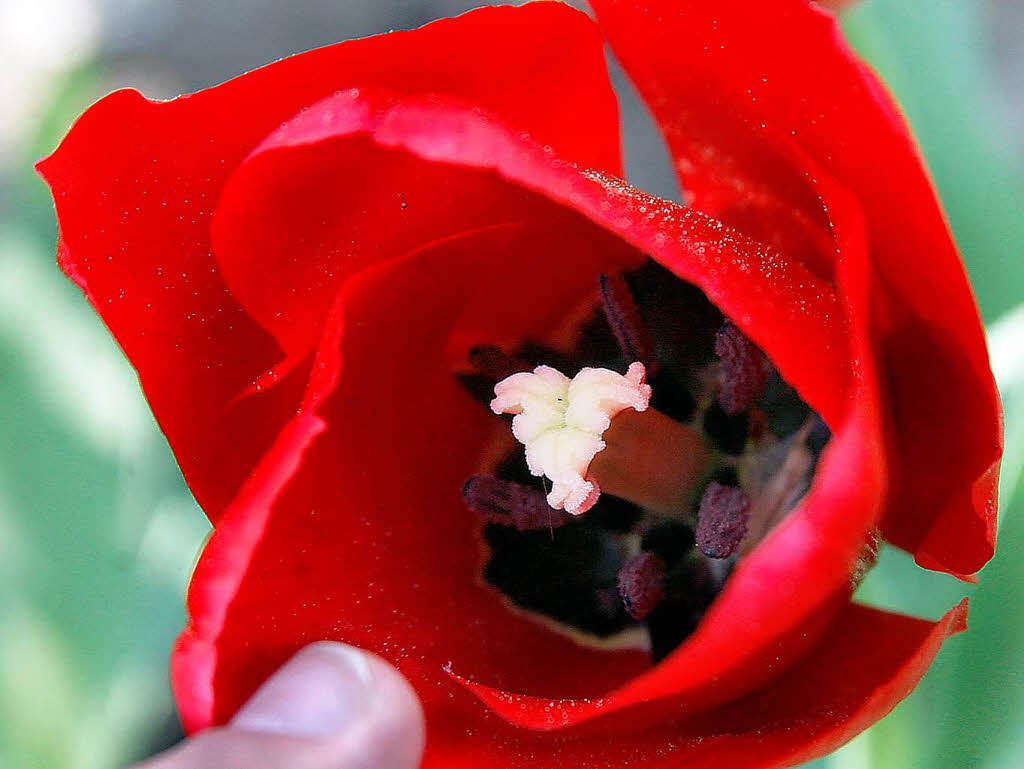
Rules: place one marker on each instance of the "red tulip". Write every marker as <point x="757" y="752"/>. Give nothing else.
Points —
<point x="298" y="263"/>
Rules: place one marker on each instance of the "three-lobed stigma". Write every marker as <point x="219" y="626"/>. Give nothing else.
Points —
<point x="561" y="421"/>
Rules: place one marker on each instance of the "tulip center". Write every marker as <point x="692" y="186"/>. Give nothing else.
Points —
<point x="656" y="451"/>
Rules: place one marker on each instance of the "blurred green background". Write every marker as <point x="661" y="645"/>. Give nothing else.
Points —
<point x="97" y="531"/>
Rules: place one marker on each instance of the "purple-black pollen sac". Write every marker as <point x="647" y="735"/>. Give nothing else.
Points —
<point x="743" y="370"/>
<point x="511" y="504"/>
<point x="642" y="584"/>
<point x="624" y="318"/>
<point x="722" y="520"/>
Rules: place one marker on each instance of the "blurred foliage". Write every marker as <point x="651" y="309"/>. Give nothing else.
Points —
<point x="97" y="530"/>
<point x="937" y="59"/>
<point x="98" y="533"/>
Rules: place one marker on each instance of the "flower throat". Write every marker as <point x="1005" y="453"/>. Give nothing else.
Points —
<point x="704" y="450"/>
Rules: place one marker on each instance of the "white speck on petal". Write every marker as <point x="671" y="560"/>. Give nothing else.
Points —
<point x="560" y="422"/>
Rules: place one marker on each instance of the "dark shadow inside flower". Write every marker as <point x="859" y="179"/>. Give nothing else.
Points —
<point x="623" y="563"/>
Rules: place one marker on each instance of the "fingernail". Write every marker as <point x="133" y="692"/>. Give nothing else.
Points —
<point x="321" y="691"/>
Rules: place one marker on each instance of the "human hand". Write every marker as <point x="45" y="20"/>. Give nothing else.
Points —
<point x="330" y="706"/>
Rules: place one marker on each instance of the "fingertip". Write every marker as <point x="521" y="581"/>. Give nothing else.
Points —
<point x="353" y="701"/>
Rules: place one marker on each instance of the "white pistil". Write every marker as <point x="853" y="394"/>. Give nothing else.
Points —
<point x="561" y="423"/>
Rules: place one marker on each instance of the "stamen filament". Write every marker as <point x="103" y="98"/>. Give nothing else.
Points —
<point x="624" y="318"/>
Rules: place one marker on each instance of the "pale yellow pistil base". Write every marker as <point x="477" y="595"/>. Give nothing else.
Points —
<point x="653" y="461"/>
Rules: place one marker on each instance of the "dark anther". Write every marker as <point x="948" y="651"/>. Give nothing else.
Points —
<point x="625" y="321"/>
<point x="511" y="504"/>
<point x="642" y="584"/>
<point x="743" y="370"/>
<point x="722" y="520"/>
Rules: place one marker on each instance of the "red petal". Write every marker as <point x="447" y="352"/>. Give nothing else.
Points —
<point x="135" y="183"/>
<point x="395" y="523"/>
<point x="756" y="99"/>
<point x="370" y="541"/>
<point x="223" y="567"/>
<point x="869" y="661"/>
<point x="276" y="204"/>
<point x="306" y="211"/>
